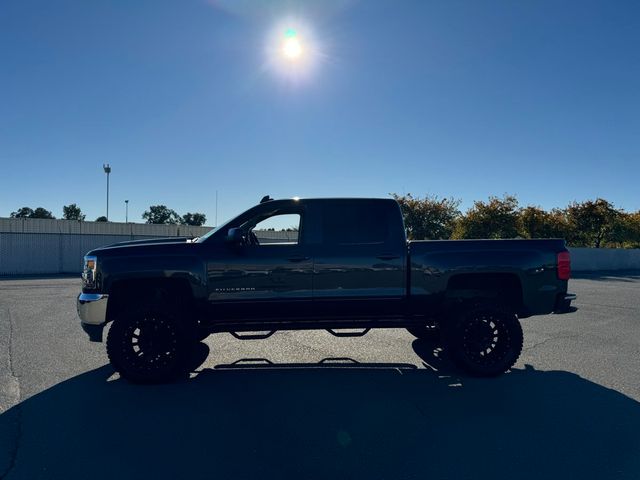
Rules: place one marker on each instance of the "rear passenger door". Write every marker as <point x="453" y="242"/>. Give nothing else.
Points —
<point x="359" y="260"/>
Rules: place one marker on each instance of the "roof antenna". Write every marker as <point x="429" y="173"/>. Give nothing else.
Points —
<point x="266" y="198"/>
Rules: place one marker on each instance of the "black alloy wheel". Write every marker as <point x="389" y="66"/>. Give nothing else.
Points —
<point x="148" y="346"/>
<point x="485" y="340"/>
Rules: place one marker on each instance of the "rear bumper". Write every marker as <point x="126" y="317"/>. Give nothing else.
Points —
<point x="92" y="310"/>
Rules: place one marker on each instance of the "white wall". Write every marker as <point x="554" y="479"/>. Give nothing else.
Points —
<point x="30" y="246"/>
<point x="41" y="225"/>
<point x="600" y="259"/>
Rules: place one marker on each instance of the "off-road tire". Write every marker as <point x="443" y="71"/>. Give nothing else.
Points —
<point x="484" y="340"/>
<point x="148" y="345"/>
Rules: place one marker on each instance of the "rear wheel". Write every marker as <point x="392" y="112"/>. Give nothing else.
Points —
<point x="148" y="345"/>
<point x="484" y="340"/>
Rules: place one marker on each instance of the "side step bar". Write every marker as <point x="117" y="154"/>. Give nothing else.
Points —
<point x="253" y="335"/>
<point x="339" y="334"/>
<point x="263" y="335"/>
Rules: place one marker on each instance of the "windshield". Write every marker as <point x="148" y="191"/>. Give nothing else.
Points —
<point x="211" y="233"/>
<point x="237" y="220"/>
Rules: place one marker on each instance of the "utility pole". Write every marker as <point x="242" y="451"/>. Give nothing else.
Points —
<point x="126" y="214"/>
<point x="107" y="170"/>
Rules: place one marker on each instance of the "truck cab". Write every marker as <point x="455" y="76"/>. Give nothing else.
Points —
<point x="334" y="255"/>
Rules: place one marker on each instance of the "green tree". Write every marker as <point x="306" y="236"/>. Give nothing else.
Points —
<point x="594" y="223"/>
<point x="428" y="218"/>
<point x="534" y="222"/>
<point x="42" y="213"/>
<point x="24" y="212"/>
<point x="72" y="212"/>
<point x="195" y="219"/>
<point x="626" y="231"/>
<point x="633" y="224"/>
<point x="160" y="214"/>
<point x="102" y="219"/>
<point x="497" y="218"/>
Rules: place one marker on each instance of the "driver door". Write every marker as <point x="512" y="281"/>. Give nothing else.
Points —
<point x="269" y="275"/>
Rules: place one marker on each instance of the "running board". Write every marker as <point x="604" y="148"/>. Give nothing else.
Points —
<point x="336" y="333"/>
<point x="253" y="335"/>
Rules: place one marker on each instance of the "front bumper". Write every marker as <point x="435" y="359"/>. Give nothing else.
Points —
<point x="92" y="310"/>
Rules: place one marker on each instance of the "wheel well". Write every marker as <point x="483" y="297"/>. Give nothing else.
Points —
<point x="173" y="293"/>
<point x="504" y="288"/>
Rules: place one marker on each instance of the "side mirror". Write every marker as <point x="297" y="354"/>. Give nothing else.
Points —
<point x="235" y="237"/>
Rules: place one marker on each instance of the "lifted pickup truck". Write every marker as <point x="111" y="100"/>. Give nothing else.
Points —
<point x="318" y="264"/>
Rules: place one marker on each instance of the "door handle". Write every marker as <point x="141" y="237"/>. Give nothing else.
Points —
<point x="388" y="256"/>
<point x="298" y="258"/>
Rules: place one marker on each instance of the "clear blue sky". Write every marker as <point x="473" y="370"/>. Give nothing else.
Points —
<point x="455" y="98"/>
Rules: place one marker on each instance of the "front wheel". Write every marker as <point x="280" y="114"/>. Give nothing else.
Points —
<point x="484" y="341"/>
<point x="148" y="345"/>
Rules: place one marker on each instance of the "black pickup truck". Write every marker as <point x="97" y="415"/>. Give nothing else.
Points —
<point x="330" y="264"/>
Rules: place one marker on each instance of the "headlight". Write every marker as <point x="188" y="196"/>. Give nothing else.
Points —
<point x="89" y="272"/>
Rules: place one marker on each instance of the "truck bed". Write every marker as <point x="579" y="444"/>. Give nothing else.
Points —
<point x="452" y="265"/>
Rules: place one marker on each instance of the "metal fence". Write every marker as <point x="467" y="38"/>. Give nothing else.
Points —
<point x="40" y="246"/>
<point x="40" y="225"/>
<point x="603" y="259"/>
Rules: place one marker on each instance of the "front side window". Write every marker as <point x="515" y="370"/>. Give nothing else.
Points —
<point x="278" y="229"/>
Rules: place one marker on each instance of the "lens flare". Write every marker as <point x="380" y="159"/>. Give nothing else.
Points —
<point x="292" y="51"/>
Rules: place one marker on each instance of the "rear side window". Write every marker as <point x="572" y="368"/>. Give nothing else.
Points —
<point x="355" y="223"/>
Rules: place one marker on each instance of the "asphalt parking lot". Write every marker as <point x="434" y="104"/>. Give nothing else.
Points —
<point x="309" y="405"/>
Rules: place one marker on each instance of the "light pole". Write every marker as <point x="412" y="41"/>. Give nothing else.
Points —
<point x="126" y="214"/>
<point x="107" y="170"/>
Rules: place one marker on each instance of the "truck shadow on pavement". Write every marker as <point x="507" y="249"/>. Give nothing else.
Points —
<point x="336" y="419"/>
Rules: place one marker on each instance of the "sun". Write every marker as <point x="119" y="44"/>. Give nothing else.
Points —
<point x="292" y="48"/>
<point x="293" y="52"/>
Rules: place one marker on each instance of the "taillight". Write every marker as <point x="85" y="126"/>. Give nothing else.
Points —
<point x="564" y="265"/>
